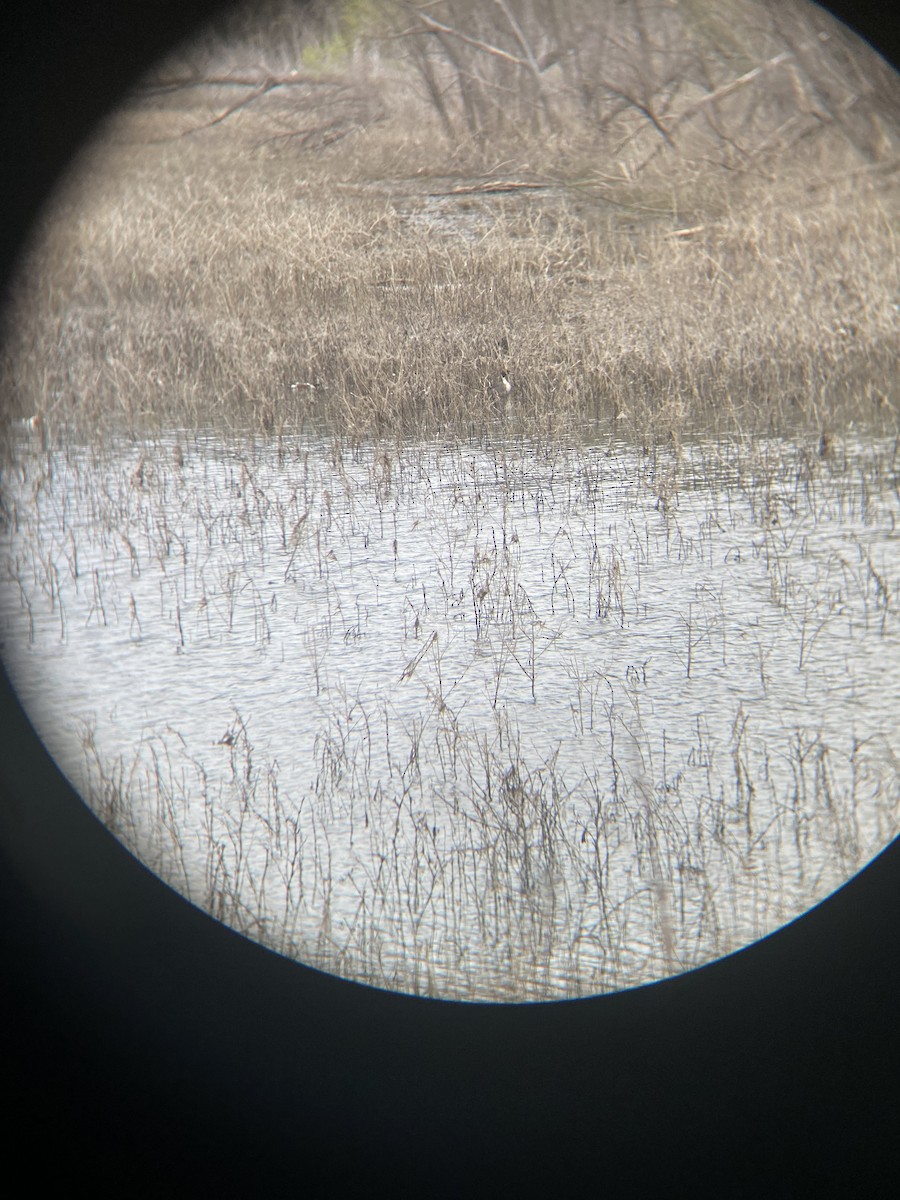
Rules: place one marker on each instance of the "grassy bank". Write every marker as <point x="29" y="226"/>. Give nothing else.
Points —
<point x="385" y="284"/>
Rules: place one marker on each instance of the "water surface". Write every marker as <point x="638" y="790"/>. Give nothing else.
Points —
<point x="491" y="720"/>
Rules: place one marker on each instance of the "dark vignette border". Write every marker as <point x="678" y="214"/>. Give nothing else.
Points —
<point x="146" y="1050"/>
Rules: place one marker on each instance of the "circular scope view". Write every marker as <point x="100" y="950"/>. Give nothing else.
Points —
<point x="450" y="482"/>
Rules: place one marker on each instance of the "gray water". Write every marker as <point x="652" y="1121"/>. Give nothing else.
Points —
<point x="487" y="721"/>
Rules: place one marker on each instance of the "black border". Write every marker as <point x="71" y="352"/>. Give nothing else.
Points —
<point x="146" y="1050"/>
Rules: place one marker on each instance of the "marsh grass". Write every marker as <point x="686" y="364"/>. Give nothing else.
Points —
<point x="374" y="289"/>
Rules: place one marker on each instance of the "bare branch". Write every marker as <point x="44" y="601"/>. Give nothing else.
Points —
<point x="728" y="89"/>
<point x="529" y="56"/>
<point x="244" y="102"/>
<point x="644" y="109"/>
<point x="254" y="79"/>
<point x="438" y="27"/>
<point x="519" y="36"/>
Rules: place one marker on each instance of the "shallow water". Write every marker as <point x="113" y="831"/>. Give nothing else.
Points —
<point x="488" y="721"/>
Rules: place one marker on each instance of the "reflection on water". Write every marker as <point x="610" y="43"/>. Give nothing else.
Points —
<point x="488" y="721"/>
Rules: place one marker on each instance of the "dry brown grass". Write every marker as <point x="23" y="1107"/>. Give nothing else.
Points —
<point x="223" y="278"/>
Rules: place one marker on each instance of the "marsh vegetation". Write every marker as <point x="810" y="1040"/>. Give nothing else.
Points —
<point x="497" y="505"/>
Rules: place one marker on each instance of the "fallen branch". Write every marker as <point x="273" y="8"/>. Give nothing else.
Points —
<point x="504" y="185"/>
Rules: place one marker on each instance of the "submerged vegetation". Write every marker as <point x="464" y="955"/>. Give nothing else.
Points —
<point x="491" y="412"/>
